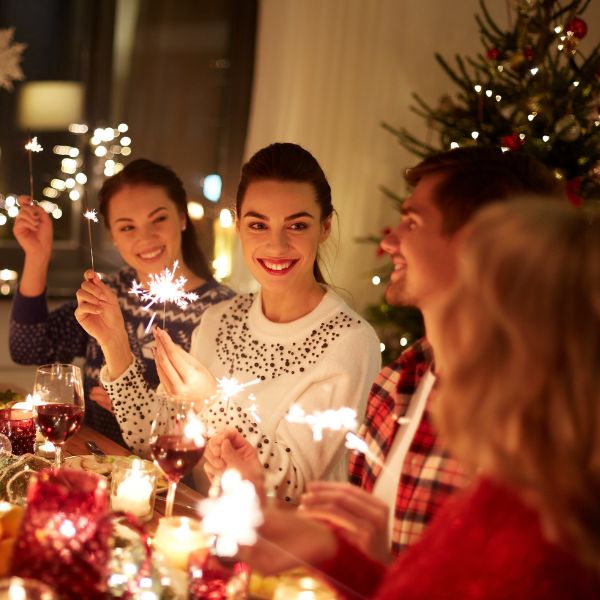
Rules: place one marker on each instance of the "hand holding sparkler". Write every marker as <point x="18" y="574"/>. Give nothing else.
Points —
<point x="360" y="517"/>
<point x="98" y="311"/>
<point x="179" y="372"/>
<point x="33" y="230"/>
<point x="228" y="449"/>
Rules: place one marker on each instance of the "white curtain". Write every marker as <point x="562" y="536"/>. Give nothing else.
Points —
<point x="327" y="73"/>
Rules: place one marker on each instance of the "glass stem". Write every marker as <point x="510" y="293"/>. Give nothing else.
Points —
<point x="170" y="498"/>
<point x="58" y="456"/>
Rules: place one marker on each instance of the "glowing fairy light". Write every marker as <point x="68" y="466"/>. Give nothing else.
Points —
<point x="163" y="288"/>
<point x="336" y="420"/>
<point x="32" y="146"/>
<point x="233" y="516"/>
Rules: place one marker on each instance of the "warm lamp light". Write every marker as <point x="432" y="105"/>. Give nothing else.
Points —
<point x="50" y="105"/>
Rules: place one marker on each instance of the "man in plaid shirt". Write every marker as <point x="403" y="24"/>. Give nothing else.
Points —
<point x="394" y="503"/>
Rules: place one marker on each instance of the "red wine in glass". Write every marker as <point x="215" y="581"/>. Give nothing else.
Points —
<point x="176" y="441"/>
<point x="58" y="422"/>
<point x="58" y="403"/>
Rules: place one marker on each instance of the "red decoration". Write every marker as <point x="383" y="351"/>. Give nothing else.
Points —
<point x="18" y="426"/>
<point x="64" y="537"/>
<point x="217" y="578"/>
<point x="573" y="188"/>
<point x="512" y="141"/>
<point x="578" y="27"/>
<point x="493" y="54"/>
<point x="528" y="53"/>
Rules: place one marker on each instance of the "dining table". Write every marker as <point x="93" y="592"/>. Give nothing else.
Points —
<point x="186" y="498"/>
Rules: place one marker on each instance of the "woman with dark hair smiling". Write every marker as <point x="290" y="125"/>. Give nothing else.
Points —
<point x="295" y="338"/>
<point x="144" y="208"/>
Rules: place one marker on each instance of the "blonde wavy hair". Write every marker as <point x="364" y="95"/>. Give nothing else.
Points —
<point x="519" y="358"/>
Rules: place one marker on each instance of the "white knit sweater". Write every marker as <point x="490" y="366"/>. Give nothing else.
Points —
<point x="325" y="360"/>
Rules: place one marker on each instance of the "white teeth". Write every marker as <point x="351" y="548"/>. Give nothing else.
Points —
<point x="149" y="255"/>
<point x="277" y="266"/>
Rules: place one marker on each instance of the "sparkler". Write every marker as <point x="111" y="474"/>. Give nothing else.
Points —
<point x="356" y="443"/>
<point x="336" y="420"/>
<point x="32" y="146"/>
<point x="90" y="215"/>
<point x="163" y="288"/>
<point x="233" y="516"/>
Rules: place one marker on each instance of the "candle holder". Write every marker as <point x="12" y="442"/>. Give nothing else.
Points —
<point x="18" y="426"/>
<point x="177" y="538"/>
<point x="133" y="487"/>
<point x="64" y="537"/>
<point x="217" y="577"/>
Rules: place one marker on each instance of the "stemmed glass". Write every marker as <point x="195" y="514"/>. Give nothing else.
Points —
<point x="59" y="405"/>
<point x="177" y="440"/>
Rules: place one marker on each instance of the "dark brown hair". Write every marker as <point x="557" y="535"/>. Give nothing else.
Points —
<point x="479" y="175"/>
<point x="145" y="172"/>
<point x="287" y="162"/>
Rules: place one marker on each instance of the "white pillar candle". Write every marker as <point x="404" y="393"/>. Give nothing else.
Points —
<point x="177" y="537"/>
<point x="133" y="488"/>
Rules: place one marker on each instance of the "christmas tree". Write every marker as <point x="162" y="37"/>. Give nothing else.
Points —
<point x="530" y="90"/>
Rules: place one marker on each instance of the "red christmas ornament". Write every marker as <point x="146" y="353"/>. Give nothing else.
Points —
<point x="512" y="141"/>
<point x="578" y="27"/>
<point x="493" y="54"/>
<point x="573" y="189"/>
<point x="528" y="53"/>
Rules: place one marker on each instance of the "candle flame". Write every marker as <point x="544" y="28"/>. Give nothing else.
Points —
<point x="233" y="516"/>
<point x="336" y="420"/>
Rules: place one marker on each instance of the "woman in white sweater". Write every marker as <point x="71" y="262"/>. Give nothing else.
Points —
<point x="296" y="339"/>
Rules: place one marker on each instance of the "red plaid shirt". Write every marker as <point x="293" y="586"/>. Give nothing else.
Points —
<point x="429" y="475"/>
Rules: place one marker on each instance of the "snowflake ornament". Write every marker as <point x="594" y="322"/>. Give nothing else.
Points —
<point x="10" y="58"/>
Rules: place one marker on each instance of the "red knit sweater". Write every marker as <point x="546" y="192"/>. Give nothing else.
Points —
<point x="483" y="545"/>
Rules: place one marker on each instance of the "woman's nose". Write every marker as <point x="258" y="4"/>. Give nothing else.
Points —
<point x="278" y="240"/>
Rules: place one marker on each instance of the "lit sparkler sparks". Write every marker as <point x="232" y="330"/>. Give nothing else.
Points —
<point x="32" y="146"/>
<point x="336" y="420"/>
<point x="356" y="443"/>
<point x="230" y="386"/>
<point x="233" y="516"/>
<point x="90" y="215"/>
<point x="163" y="288"/>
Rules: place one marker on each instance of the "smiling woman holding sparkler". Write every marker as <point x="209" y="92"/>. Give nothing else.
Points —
<point x="296" y="340"/>
<point x="144" y="208"/>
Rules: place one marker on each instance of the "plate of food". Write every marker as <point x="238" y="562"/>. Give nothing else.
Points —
<point x="89" y="462"/>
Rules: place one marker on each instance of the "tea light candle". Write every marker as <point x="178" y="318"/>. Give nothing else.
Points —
<point x="177" y="537"/>
<point x="133" y="487"/>
<point x="45" y="449"/>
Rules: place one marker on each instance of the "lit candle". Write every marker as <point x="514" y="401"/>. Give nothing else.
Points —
<point x="177" y="537"/>
<point x="133" y="487"/>
<point x="45" y="449"/>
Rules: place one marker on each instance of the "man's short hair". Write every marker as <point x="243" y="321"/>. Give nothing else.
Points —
<point x="479" y="175"/>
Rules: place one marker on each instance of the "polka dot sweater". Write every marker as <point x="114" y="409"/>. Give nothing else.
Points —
<point x="324" y="360"/>
<point x="39" y="336"/>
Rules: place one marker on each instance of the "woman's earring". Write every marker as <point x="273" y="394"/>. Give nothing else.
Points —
<point x="183" y="226"/>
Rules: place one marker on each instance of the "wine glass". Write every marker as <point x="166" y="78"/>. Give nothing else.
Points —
<point x="177" y="440"/>
<point x="59" y="406"/>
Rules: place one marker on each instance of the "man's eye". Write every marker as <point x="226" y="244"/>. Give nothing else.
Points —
<point x="257" y="226"/>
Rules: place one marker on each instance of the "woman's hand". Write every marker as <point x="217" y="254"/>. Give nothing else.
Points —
<point x="361" y="518"/>
<point x="99" y="396"/>
<point x="228" y="449"/>
<point x="179" y="372"/>
<point x="33" y="230"/>
<point x="99" y="313"/>
<point x="98" y="310"/>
